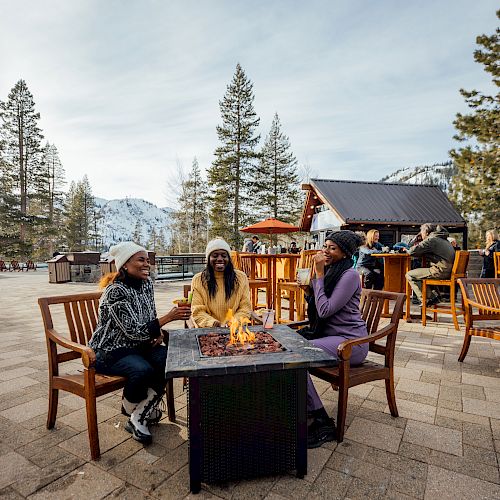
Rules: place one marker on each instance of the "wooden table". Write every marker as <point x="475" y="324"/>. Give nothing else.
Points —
<point x="396" y="265"/>
<point x="278" y="266"/>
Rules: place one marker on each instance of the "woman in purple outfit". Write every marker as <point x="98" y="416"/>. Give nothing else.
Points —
<point x="333" y="310"/>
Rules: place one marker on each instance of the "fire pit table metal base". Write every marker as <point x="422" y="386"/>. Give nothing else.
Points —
<point x="244" y="426"/>
<point x="246" y="414"/>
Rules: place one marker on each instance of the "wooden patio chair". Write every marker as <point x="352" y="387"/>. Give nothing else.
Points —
<point x="481" y="295"/>
<point x="81" y="311"/>
<point x="244" y="262"/>
<point x="496" y="262"/>
<point x="295" y="294"/>
<point x="458" y="271"/>
<point x="344" y="376"/>
<point x="30" y="265"/>
<point x="15" y="266"/>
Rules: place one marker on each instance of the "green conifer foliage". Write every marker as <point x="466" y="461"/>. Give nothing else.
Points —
<point x="80" y="214"/>
<point x="230" y="175"/>
<point x="21" y="139"/>
<point x="191" y="219"/>
<point x="277" y="180"/>
<point x="476" y="187"/>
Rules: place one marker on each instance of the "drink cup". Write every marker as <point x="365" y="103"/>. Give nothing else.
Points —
<point x="268" y="318"/>
<point x="304" y="275"/>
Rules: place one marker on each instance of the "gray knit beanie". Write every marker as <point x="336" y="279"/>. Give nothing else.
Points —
<point x="348" y="241"/>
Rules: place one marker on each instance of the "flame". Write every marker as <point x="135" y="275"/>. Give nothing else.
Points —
<point x="238" y="330"/>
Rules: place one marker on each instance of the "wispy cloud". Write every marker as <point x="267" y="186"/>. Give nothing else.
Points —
<point x="127" y="90"/>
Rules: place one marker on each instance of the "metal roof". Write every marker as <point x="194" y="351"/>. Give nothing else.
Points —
<point x="381" y="202"/>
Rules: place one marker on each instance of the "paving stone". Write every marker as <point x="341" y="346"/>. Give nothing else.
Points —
<point x="78" y="419"/>
<point x="26" y="410"/>
<point x="16" y="384"/>
<point x="478" y="435"/>
<point x="417" y="387"/>
<point x="14" y="467"/>
<point x="484" y="408"/>
<point x="10" y="494"/>
<point x="144" y="476"/>
<point x="177" y="486"/>
<point x="331" y="484"/>
<point x="407" y="484"/>
<point x="475" y="454"/>
<point x="352" y="448"/>
<point x="450" y="423"/>
<point x="414" y="411"/>
<point x="434" y="437"/>
<point x="444" y="484"/>
<point x="129" y="492"/>
<point x="109" y="437"/>
<point x="73" y="484"/>
<point x="288" y="486"/>
<point x="360" y="489"/>
<point x="464" y="417"/>
<point x="492" y="394"/>
<point x="175" y="460"/>
<point x="480" y="380"/>
<point x="473" y="391"/>
<point x="374" y="434"/>
<point x="463" y="465"/>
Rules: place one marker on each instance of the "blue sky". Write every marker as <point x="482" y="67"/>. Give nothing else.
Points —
<point x="130" y="90"/>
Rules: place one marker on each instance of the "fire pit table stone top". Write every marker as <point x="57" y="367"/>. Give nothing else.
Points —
<point x="185" y="360"/>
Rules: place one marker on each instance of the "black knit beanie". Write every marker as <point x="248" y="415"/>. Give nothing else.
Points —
<point x="348" y="241"/>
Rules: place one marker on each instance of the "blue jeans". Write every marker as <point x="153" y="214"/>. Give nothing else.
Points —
<point x="142" y="366"/>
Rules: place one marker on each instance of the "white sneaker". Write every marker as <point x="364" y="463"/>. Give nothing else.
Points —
<point x="137" y="424"/>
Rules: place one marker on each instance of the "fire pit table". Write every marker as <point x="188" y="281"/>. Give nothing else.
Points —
<point x="246" y="413"/>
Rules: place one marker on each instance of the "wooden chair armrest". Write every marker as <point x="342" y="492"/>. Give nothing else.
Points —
<point x="469" y="302"/>
<point x="87" y="353"/>
<point x="297" y="324"/>
<point x="344" y="350"/>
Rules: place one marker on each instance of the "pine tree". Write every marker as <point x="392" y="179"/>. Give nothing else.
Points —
<point x="277" y="180"/>
<point x="47" y="202"/>
<point x="80" y="216"/>
<point x="231" y="172"/>
<point x="22" y="138"/>
<point x="137" y="235"/>
<point x="190" y="219"/>
<point x="476" y="189"/>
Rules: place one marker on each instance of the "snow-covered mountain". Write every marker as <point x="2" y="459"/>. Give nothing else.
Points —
<point x="119" y="220"/>
<point x="439" y="174"/>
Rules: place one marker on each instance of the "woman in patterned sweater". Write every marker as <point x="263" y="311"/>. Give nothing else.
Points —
<point x="219" y="288"/>
<point x="128" y="338"/>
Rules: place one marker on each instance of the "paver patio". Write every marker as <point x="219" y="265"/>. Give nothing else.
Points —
<point x="445" y="444"/>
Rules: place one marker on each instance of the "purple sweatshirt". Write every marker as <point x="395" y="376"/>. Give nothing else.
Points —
<point x="342" y="315"/>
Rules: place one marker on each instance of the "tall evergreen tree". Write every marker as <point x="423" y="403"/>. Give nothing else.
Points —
<point x="476" y="188"/>
<point x="231" y="172"/>
<point x="190" y="219"/>
<point x="22" y="138"/>
<point x="277" y="180"/>
<point x="47" y="202"/>
<point x="80" y="214"/>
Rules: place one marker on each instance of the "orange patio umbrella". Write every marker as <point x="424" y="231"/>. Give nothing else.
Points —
<point x="270" y="226"/>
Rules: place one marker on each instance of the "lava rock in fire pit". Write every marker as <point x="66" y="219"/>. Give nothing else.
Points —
<point x="217" y="344"/>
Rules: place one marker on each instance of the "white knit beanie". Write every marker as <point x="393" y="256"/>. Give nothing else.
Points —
<point x="123" y="251"/>
<point x="217" y="244"/>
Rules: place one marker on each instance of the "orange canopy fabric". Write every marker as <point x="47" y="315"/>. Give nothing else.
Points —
<point x="270" y="226"/>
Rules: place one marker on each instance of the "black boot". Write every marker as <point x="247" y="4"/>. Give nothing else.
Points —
<point x="320" y="431"/>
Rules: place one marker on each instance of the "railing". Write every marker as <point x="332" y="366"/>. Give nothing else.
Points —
<point x="179" y="266"/>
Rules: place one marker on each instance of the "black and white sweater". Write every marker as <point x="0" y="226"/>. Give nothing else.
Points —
<point x="127" y="316"/>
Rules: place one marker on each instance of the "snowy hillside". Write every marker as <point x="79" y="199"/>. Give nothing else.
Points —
<point x="439" y="174"/>
<point x="120" y="219"/>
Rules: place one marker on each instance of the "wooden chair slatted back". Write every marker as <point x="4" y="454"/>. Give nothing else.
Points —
<point x="496" y="262"/>
<point x="306" y="258"/>
<point x="371" y="306"/>
<point x="483" y="291"/>
<point x="81" y="312"/>
<point x="460" y="264"/>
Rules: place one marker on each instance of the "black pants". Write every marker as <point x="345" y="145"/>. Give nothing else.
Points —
<point x="142" y="366"/>
<point x="373" y="279"/>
